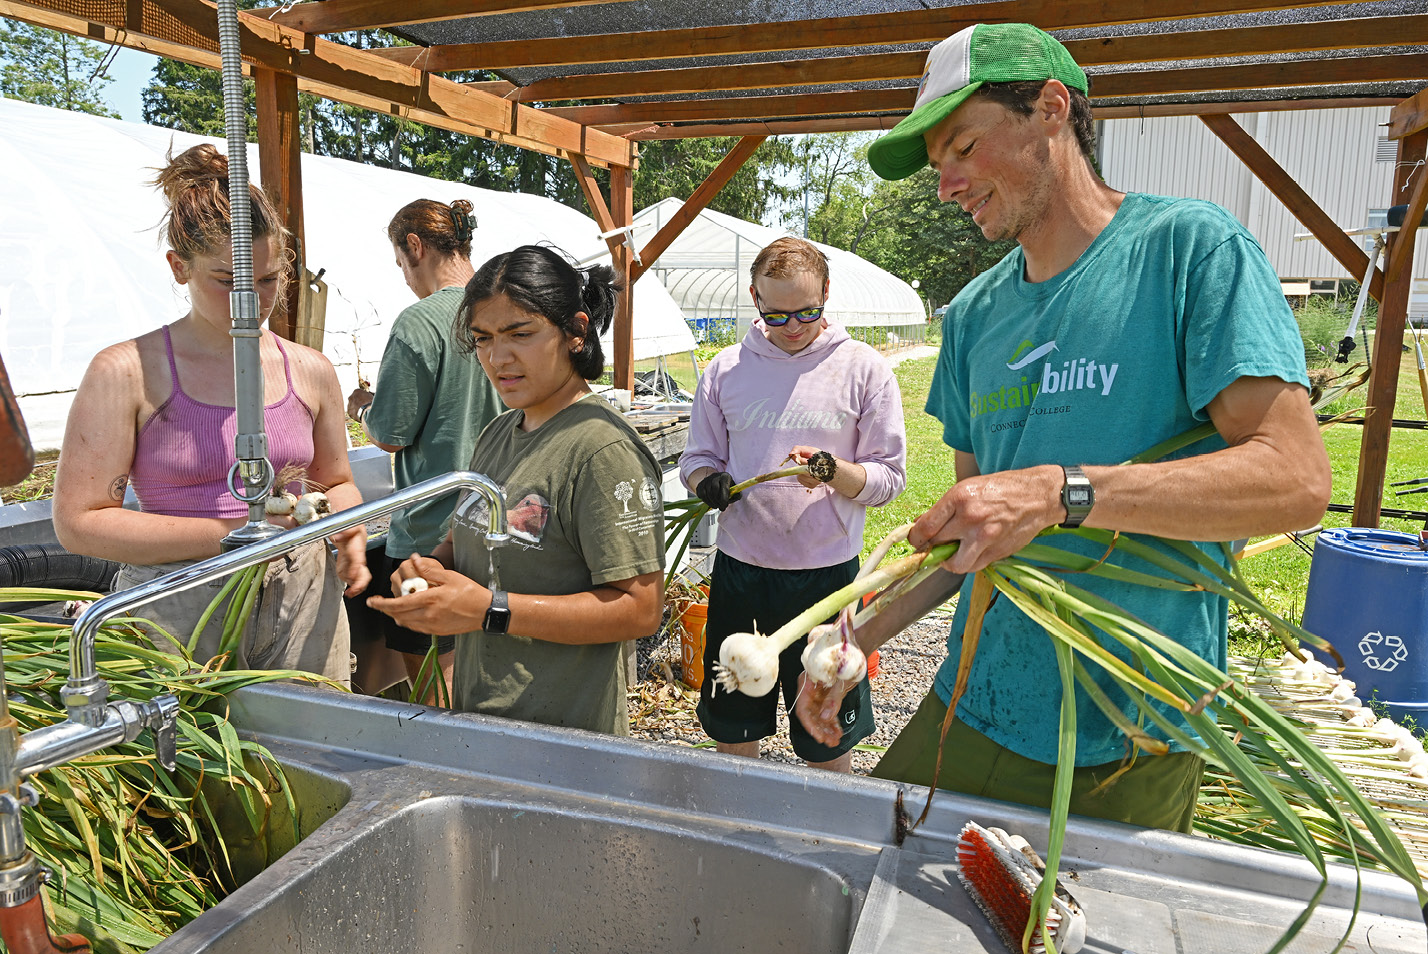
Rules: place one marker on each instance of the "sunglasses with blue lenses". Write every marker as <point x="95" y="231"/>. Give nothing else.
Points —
<point x="777" y="319"/>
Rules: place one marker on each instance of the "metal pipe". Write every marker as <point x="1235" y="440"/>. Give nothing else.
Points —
<point x="85" y="691"/>
<point x="250" y="441"/>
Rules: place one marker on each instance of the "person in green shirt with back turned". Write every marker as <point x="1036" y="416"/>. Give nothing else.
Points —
<point x="432" y="401"/>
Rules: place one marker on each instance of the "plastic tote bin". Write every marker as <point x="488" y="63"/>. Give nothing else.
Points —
<point x="1368" y="596"/>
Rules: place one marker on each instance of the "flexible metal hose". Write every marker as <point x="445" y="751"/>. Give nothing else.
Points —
<point x="250" y="442"/>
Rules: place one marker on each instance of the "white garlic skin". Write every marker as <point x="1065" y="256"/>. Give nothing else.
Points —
<point x="829" y="657"/>
<point x="748" y="663"/>
<point x="413" y="584"/>
<point x="280" y="505"/>
<point x="311" y="506"/>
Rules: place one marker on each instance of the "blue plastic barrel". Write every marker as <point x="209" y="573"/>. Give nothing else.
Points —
<point x="1368" y="596"/>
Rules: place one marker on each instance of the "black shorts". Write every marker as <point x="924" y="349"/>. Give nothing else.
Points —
<point x="741" y="596"/>
<point x="400" y="638"/>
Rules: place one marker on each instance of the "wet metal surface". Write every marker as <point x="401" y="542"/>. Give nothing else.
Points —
<point x="456" y="832"/>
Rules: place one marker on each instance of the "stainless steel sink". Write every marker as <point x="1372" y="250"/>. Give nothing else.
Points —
<point x="456" y="832"/>
<point x="454" y="874"/>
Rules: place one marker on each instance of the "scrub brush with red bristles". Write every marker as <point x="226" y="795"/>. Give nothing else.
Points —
<point x="1001" y="873"/>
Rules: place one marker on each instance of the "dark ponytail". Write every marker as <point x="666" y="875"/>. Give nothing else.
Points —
<point x="540" y="280"/>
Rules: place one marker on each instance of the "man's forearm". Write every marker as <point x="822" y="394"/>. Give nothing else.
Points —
<point x="908" y="609"/>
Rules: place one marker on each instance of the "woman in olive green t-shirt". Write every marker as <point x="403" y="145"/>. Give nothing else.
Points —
<point x="585" y="561"/>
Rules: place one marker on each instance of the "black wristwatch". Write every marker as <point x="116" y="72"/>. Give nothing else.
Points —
<point x="498" y="615"/>
<point x="1077" y="496"/>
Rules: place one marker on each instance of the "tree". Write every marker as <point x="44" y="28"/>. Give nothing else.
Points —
<point x="676" y="167"/>
<point x="52" y="69"/>
<point x="190" y="98"/>
<point x="918" y="236"/>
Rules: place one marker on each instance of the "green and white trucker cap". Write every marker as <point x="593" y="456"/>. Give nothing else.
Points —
<point x="956" y="68"/>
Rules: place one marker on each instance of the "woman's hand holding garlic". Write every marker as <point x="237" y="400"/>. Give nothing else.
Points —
<point x="447" y="604"/>
<point x="846" y="478"/>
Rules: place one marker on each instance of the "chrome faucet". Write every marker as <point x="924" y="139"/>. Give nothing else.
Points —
<point x="94" y="723"/>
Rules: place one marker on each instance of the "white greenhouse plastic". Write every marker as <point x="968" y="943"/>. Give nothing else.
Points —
<point x="706" y="269"/>
<point x="81" y="265"/>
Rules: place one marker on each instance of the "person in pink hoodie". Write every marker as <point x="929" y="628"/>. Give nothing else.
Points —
<point x="795" y="385"/>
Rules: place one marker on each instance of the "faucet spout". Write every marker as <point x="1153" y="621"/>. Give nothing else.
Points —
<point x="85" y="693"/>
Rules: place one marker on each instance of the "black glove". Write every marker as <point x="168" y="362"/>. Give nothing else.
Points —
<point x="714" y="490"/>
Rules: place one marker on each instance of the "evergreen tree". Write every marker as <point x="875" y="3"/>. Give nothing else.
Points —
<point x="52" y="69"/>
<point x="190" y="98"/>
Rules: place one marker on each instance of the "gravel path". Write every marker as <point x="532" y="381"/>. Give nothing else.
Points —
<point x="662" y="712"/>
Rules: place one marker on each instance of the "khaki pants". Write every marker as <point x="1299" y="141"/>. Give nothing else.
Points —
<point x="1158" y="791"/>
<point x="299" y="621"/>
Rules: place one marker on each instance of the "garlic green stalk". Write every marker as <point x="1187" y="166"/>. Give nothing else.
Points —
<point x="748" y="662"/>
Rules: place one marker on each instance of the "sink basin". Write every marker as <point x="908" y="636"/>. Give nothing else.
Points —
<point x="453" y="874"/>
<point x="438" y="831"/>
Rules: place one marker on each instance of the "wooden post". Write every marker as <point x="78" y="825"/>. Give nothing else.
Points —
<point x="280" y="158"/>
<point x="1387" y="351"/>
<point x="622" y="212"/>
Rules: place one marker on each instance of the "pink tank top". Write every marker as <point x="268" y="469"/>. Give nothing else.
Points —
<point x="185" y="449"/>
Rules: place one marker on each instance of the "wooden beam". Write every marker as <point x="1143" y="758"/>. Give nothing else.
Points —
<point x="595" y="199"/>
<point x="1325" y="72"/>
<point x="873" y="29"/>
<point x="1242" y="106"/>
<point x="622" y="212"/>
<point x="708" y="189"/>
<point x="1409" y="116"/>
<point x="188" y="31"/>
<point x="1400" y="247"/>
<point x="830" y="69"/>
<point x="1387" y="354"/>
<point x="1116" y="84"/>
<point x="337" y="16"/>
<point x="640" y="132"/>
<point x="1366" y="33"/>
<point x="741" y="107"/>
<point x="280" y="160"/>
<point x="1299" y="203"/>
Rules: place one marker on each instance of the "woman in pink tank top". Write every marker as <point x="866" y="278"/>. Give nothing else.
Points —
<point x="157" y="411"/>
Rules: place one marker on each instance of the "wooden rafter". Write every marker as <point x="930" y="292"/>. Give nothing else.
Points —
<point x="1368" y="32"/>
<point x="337" y="16"/>
<point x="1110" y="84"/>
<point x="595" y="199"/>
<point x="708" y="189"/>
<point x="1299" y="203"/>
<point x="1409" y="116"/>
<point x="874" y="29"/>
<point x="741" y="107"/>
<point x="641" y="132"/>
<point x="187" y="30"/>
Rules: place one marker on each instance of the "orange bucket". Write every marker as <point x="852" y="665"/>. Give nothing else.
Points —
<point x="691" y="642"/>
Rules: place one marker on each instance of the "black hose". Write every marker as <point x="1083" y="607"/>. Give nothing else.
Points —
<point x="51" y="565"/>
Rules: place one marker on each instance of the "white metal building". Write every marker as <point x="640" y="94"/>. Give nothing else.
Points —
<point x="1339" y="156"/>
<point x="707" y="273"/>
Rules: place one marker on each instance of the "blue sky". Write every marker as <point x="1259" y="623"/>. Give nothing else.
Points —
<point x="130" y="72"/>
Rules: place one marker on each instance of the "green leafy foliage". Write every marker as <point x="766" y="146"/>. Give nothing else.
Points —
<point x="52" y="69"/>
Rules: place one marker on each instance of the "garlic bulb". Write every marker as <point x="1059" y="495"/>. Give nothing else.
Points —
<point x="831" y="657"/>
<point x="748" y="662"/>
<point x="311" y="506"/>
<point x="281" y="504"/>
<point x="413" y="584"/>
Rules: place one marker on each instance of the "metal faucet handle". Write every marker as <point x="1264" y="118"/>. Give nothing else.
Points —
<point x="163" y="720"/>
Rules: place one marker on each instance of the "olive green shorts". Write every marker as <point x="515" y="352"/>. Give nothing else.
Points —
<point x="1157" y="791"/>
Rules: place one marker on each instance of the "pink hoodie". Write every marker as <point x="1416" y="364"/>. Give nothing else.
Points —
<point x="755" y="403"/>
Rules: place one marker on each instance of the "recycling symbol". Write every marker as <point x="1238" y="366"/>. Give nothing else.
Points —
<point x="1381" y="652"/>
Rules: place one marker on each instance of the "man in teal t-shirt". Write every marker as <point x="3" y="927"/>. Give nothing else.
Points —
<point x="431" y="402"/>
<point x="1118" y="322"/>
